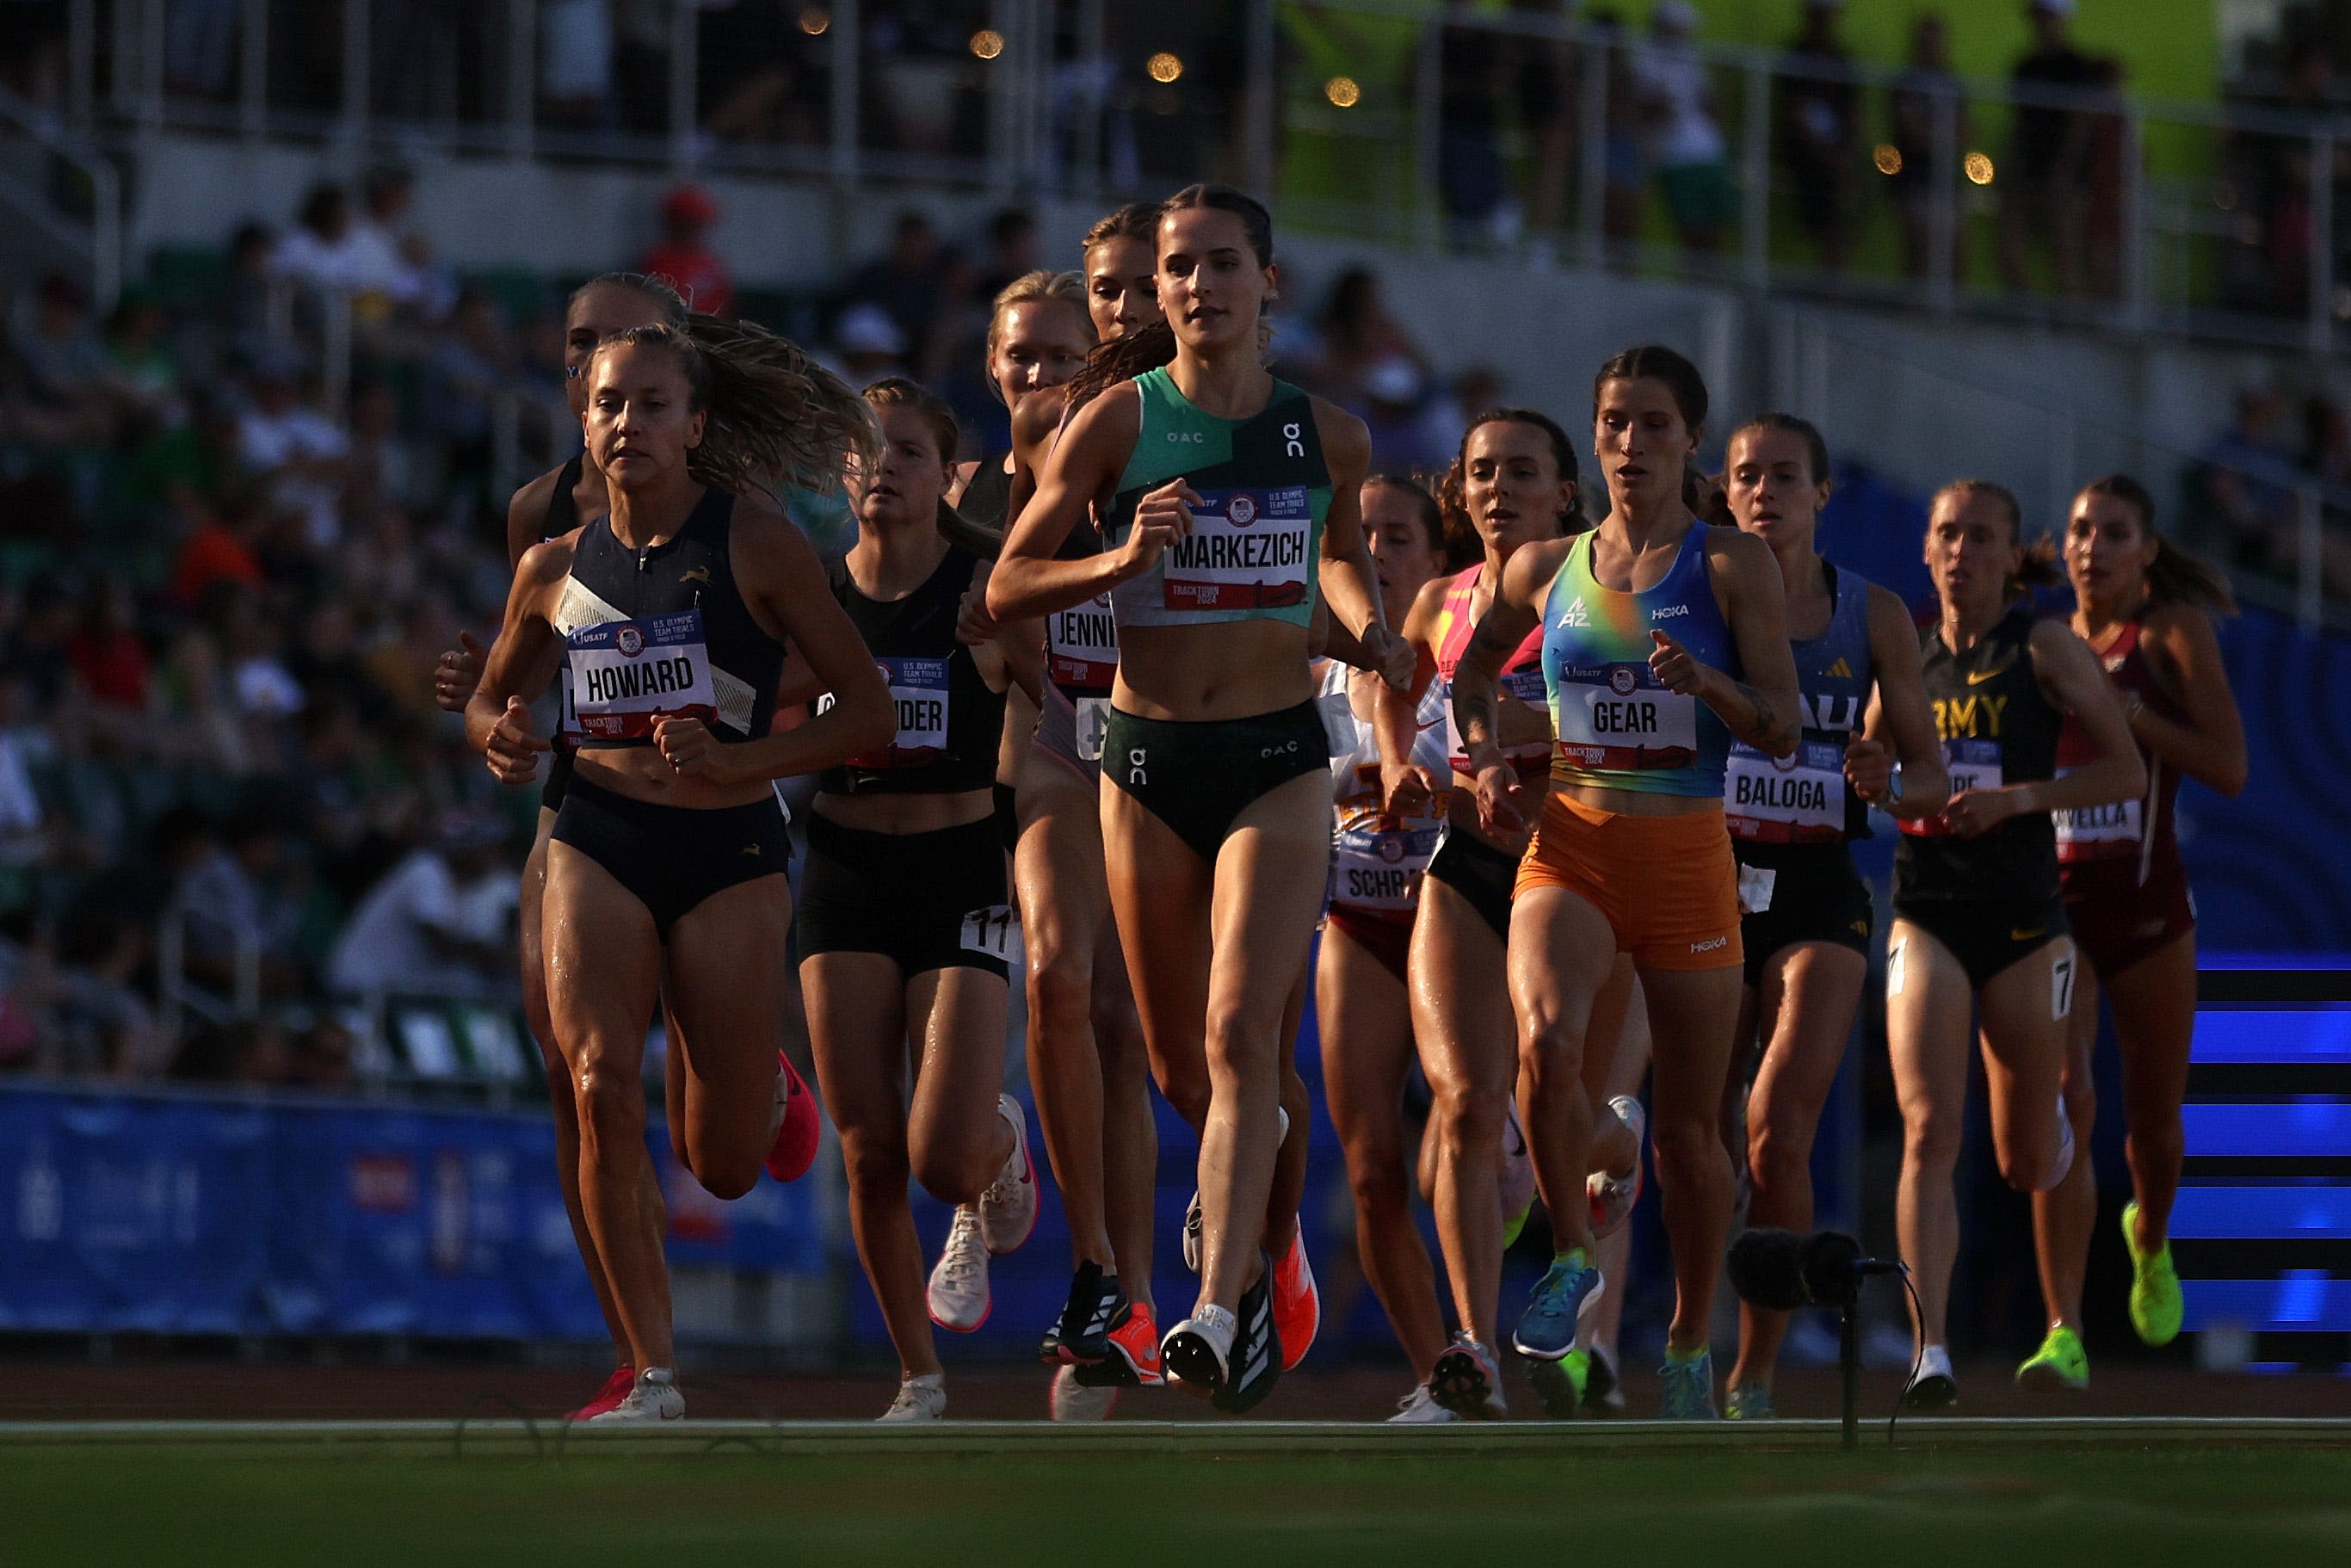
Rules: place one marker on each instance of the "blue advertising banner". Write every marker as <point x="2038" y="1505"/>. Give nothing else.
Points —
<point x="201" y="1214"/>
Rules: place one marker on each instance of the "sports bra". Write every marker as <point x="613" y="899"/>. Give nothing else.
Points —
<point x="949" y="722"/>
<point x="1522" y="677"/>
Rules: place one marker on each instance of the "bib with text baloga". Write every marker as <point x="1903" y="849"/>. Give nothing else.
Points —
<point x="1617" y="717"/>
<point x="627" y="674"/>
<point x="1081" y="647"/>
<point x="918" y="694"/>
<point x="1794" y="799"/>
<point x="1248" y="549"/>
<point x="2098" y="832"/>
<point x="1973" y="765"/>
<point x="1378" y="868"/>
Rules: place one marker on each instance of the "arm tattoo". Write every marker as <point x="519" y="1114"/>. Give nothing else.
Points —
<point x="1763" y="728"/>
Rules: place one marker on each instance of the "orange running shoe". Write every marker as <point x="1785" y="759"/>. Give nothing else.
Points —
<point x="1297" y="1305"/>
<point x="1134" y="1361"/>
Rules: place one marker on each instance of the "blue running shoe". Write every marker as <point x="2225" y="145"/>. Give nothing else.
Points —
<point x="1570" y="1288"/>
<point x="1690" y="1388"/>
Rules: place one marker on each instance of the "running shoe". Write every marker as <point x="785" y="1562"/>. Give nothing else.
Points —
<point x="798" y="1125"/>
<point x="651" y="1399"/>
<point x="2059" y="1365"/>
<point x="1467" y="1381"/>
<point x="1569" y="1287"/>
<point x="1072" y="1400"/>
<point x="1420" y="1408"/>
<point x="1562" y="1385"/>
<point x="1518" y="1176"/>
<point x="1081" y="1336"/>
<point x="616" y="1388"/>
<point x="1192" y="1223"/>
<point x="1198" y="1349"/>
<point x="959" y="1297"/>
<point x="1297" y="1305"/>
<point x="1749" y="1402"/>
<point x="2155" y="1304"/>
<point x="1134" y="1361"/>
<point x="1613" y="1196"/>
<point x="1604" y="1391"/>
<point x="1008" y="1209"/>
<point x="1689" y="1387"/>
<point x="923" y="1398"/>
<point x="1257" y="1361"/>
<point x="1931" y="1387"/>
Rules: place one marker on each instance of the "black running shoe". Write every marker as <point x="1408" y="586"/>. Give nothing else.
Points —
<point x="1254" y="1365"/>
<point x="1082" y="1338"/>
<point x="1554" y="1383"/>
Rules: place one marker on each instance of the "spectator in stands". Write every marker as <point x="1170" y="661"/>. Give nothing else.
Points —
<point x="105" y="1028"/>
<point x="231" y="912"/>
<point x="1687" y="143"/>
<point x="240" y="316"/>
<point x="1015" y="249"/>
<point x="867" y="345"/>
<point x="918" y="284"/>
<point x="322" y="250"/>
<point x="379" y="269"/>
<point x="1819" y="109"/>
<point x="1471" y="89"/>
<point x="471" y="365"/>
<point x="1546" y="77"/>
<point x="1356" y="333"/>
<point x="2041" y="179"/>
<point x="685" y="256"/>
<point x="2245" y="478"/>
<point x="219" y="548"/>
<point x="298" y="456"/>
<point x="63" y="363"/>
<point x="110" y="660"/>
<point x="438" y="924"/>
<point x="1925" y="90"/>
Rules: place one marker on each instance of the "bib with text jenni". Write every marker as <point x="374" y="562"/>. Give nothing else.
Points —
<point x="1248" y="549"/>
<point x="1617" y="717"/>
<point x="1973" y="765"/>
<point x="1081" y="647"/>
<point x="626" y="673"/>
<point x="1794" y="799"/>
<point x="918" y="694"/>
<point x="2098" y="832"/>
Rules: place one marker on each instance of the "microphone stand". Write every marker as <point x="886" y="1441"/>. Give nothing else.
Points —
<point x="1849" y="1367"/>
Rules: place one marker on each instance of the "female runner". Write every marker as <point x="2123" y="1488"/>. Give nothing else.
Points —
<point x="1223" y="488"/>
<point x="1361" y="996"/>
<point x="903" y="924"/>
<point x="2145" y="608"/>
<point x="1653" y="627"/>
<point x="1804" y="915"/>
<point x="665" y="868"/>
<point x="1512" y="483"/>
<point x="548" y="507"/>
<point x="1975" y="912"/>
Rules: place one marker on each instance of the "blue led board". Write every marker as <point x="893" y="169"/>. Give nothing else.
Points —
<point x="2263" y="1231"/>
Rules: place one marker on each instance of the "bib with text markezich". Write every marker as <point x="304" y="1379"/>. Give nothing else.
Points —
<point x="1082" y="647"/>
<point x="1525" y="736"/>
<point x="627" y="674"/>
<point x="1248" y="549"/>
<point x="918" y="694"/>
<point x="1973" y="765"/>
<point x="2098" y="832"/>
<point x="1794" y="799"/>
<point x="1617" y="717"/>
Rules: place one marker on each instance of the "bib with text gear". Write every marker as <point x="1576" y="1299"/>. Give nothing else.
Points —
<point x="1619" y="717"/>
<point x="1794" y="799"/>
<point x="627" y="674"/>
<point x="1248" y="549"/>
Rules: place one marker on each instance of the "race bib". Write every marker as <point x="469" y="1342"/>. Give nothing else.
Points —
<point x="1379" y="869"/>
<point x="1081" y="647"/>
<point x="1794" y="799"/>
<point x="2098" y="832"/>
<point x="1248" y="549"/>
<point x="1755" y="885"/>
<point x="627" y="674"/>
<point x="1973" y="765"/>
<point x="1094" y="722"/>
<point x="1617" y="717"/>
<point x="993" y="931"/>
<point x="918" y="694"/>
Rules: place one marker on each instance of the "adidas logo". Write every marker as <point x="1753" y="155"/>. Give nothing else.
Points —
<point x="1575" y="615"/>
<point x="1840" y="671"/>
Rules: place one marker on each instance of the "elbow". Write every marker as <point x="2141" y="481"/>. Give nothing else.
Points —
<point x="2230" y="778"/>
<point x="1004" y="599"/>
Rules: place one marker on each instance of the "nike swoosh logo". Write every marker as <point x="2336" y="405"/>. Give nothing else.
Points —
<point x="1977" y="678"/>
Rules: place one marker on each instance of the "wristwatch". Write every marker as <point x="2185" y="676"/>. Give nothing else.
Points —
<point x="1894" y="788"/>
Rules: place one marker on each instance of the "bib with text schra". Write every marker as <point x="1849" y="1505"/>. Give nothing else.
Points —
<point x="1617" y="717"/>
<point x="1248" y="549"/>
<point x="1794" y="799"/>
<point x="627" y="674"/>
<point x="1973" y="765"/>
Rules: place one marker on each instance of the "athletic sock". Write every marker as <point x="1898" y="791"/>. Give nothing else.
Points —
<point x="1684" y="1357"/>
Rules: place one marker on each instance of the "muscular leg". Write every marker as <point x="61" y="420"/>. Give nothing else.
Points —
<point x="1928" y="1010"/>
<point x="1614" y="1257"/>
<point x="956" y="1138"/>
<point x="857" y="1021"/>
<point x="1691" y="1016"/>
<point x="1468" y="1042"/>
<point x="2064" y="1216"/>
<point x="2154" y="1004"/>
<point x="1805" y="1011"/>
<point x="1561" y="950"/>
<point x="1613" y="1147"/>
<point x="1157" y="889"/>
<point x="1130" y="1132"/>
<point x="1366" y="1049"/>
<point x="603" y="966"/>
<point x="2024" y="1008"/>
<point x="728" y="996"/>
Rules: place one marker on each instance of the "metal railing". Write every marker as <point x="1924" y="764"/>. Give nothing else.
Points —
<point x="64" y="196"/>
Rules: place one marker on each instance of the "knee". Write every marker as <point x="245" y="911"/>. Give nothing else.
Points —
<point x="1550" y="1047"/>
<point x="1376" y="1173"/>
<point x="728" y="1175"/>
<point x="1777" y="1155"/>
<point x="1930" y="1136"/>
<point x="1468" y="1116"/>
<point x="1060" y="988"/>
<point x="1685" y="1146"/>
<point x="609" y="1103"/>
<point x="1239" y="1046"/>
<point x="873" y="1165"/>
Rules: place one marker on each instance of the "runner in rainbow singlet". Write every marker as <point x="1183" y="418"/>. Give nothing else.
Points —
<point x="1662" y="640"/>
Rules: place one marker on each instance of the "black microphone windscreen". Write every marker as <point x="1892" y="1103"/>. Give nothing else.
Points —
<point x="1832" y="1269"/>
<point x="1767" y="1268"/>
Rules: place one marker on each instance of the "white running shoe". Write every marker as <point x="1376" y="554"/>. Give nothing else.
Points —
<point x="1420" y="1408"/>
<point x="959" y="1297"/>
<point x="1933" y="1387"/>
<point x="1007" y="1210"/>
<point x="923" y="1398"/>
<point x="1073" y="1401"/>
<point x="1613" y="1196"/>
<point x="650" y="1400"/>
<point x="1199" y="1351"/>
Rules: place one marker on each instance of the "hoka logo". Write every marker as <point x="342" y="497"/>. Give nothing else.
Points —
<point x="1575" y="615"/>
<point x="1840" y="671"/>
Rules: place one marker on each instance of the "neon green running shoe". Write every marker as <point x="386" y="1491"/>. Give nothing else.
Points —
<point x="2060" y="1363"/>
<point x="2155" y="1304"/>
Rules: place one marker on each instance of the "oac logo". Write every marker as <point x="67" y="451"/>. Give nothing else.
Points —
<point x="1241" y="511"/>
<point x="1622" y="680"/>
<point x="629" y="640"/>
